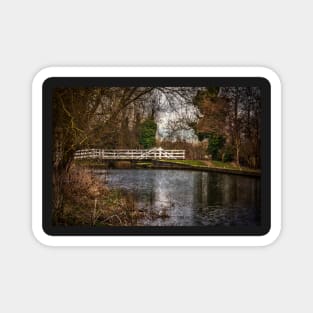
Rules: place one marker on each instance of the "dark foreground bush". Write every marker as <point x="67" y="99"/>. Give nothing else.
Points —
<point x="88" y="201"/>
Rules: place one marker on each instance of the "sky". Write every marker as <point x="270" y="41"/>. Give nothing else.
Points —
<point x="178" y="110"/>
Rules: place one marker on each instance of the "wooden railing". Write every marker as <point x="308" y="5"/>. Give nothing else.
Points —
<point x="123" y="154"/>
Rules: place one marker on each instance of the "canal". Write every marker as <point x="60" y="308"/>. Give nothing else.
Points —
<point x="190" y="198"/>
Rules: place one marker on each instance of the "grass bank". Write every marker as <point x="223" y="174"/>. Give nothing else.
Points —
<point x="225" y="167"/>
<point x="213" y="165"/>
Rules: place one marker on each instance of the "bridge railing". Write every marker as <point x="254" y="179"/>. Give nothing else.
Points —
<point x="125" y="154"/>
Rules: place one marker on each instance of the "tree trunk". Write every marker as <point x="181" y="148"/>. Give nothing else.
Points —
<point x="60" y="178"/>
<point x="237" y="153"/>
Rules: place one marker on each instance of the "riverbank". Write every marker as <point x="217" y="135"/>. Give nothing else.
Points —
<point x="207" y="166"/>
<point x="197" y="165"/>
<point x="88" y="201"/>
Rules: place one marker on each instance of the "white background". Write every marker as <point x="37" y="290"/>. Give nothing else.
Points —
<point x="36" y="34"/>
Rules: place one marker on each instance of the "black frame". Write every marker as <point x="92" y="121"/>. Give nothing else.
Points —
<point x="54" y="82"/>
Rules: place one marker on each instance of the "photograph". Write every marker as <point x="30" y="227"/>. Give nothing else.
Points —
<point x="153" y="156"/>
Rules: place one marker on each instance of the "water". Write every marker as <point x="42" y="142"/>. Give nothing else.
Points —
<point x="190" y="198"/>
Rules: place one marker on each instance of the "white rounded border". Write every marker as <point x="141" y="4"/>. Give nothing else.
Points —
<point x="276" y="141"/>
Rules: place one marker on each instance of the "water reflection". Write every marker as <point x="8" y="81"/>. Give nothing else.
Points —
<point x="191" y="198"/>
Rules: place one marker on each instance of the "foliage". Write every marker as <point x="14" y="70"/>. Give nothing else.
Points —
<point x="215" y="147"/>
<point x="233" y="113"/>
<point x="208" y="92"/>
<point x="147" y="132"/>
<point x="228" y="154"/>
<point x="213" y="111"/>
<point x="212" y="91"/>
<point x="203" y="135"/>
<point x="216" y="143"/>
<point x="193" y="151"/>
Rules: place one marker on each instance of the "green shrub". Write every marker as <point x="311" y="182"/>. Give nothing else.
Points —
<point x="147" y="132"/>
<point x="228" y="155"/>
<point x="216" y="143"/>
